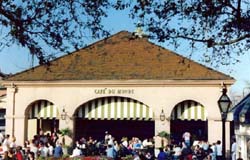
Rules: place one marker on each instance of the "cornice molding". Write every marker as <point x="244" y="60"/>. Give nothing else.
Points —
<point x="139" y="83"/>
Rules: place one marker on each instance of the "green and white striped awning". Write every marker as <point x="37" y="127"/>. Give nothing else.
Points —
<point x="43" y="109"/>
<point x="116" y="108"/>
<point x="189" y="110"/>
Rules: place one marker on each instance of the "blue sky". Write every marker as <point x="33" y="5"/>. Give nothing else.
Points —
<point x="15" y="59"/>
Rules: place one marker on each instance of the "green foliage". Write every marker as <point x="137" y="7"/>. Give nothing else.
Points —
<point x="65" y="132"/>
<point x="48" y="27"/>
<point x="128" y="157"/>
<point x="164" y="134"/>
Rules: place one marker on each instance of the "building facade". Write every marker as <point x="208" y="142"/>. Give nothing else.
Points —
<point x="121" y="84"/>
<point x="240" y="115"/>
<point x="3" y="104"/>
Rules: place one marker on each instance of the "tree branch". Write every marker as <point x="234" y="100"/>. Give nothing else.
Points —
<point x="232" y="41"/>
<point x="211" y="42"/>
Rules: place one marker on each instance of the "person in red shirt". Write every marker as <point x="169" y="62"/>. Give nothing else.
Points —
<point x="19" y="155"/>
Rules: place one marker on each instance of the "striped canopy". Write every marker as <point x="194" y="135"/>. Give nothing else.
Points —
<point x="43" y="109"/>
<point x="189" y="110"/>
<point x="116" y="108"/>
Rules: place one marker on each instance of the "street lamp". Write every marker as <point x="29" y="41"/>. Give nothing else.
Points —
<point x="63" y="114"/>
<point x="162" y="115"/>
<point x="224" y="104"/>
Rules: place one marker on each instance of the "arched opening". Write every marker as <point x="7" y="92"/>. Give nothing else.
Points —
<point x="2" y="120"/>
<point x="189" y="116"/>
<point x="120" y="116"/>
<point x="41" y="115"/>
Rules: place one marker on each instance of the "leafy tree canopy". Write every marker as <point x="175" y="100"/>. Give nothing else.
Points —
<point x="222" y="26"/>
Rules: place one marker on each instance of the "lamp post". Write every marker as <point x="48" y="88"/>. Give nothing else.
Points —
<point x="162" y="115"/>
<point x="63" y="114"/>
<point x="224" y="104"/>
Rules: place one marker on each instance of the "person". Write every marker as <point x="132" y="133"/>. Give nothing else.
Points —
<point x="219" y="155"/>
<point x="233" y="150"/>
<point x="58" y="151"/>
<point x="6" y="143"/>
<point x="50" y="148"/>
<point x="76" y="152"/>
<point x="19" y="155"/>
<point x="110" y="152"/>
<point x="107" y="137"/>
<point x="1" y="138"/>
<point x="34" y="149"/>
<point x="43" y="150"/>
<point x="214" y="151"/>
<point x="31" y="156"/>
<point x="13" y="142"/>
<point x="162" y="155"/>
<point x="6" y="155"/>
<point x="187" y="138"/>
<point x="124" y="141"/>
<point x="149" y="156"/>
<point x="54" y="137"/>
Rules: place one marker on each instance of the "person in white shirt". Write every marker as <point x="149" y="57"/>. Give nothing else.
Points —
<point x="34" y="149"/>
<point x="124" y="142"/>
<point x="187" y="138"/>
<point x="76" y="152"/>
<point x="107" y="137"/>
<point x="6" y="143"/>
<point x="1" y="137"/>
<point x="177" y="151"/>
<point x="13" y="142"/>
<point x="219" y="155"/>
<point x="233" y="150"/>
<point x="214" y="151"/>
<point x="43" y="150"/>
<point x="51" y="149"/>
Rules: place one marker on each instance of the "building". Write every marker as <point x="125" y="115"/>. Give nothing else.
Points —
<point x="240" y="115"/>
<point x="121" y="84"/>
<point x="2" y="103"/>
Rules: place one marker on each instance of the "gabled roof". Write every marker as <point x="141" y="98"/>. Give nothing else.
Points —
<point x="121" y="57"/>
<point x="241" y="111"/>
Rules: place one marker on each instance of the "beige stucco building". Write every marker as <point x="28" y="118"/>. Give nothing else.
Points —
<point x="112" y="84"/>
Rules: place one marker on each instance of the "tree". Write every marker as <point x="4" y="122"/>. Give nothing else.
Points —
<point x="222" y="26"/>
<point x="219" y="25"/>
<point x="65" y="132"/>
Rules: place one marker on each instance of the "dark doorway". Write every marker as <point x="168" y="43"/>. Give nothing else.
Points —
<point x="198" y="129"/>
<point x="117" y="128"/>
<point x="47" y="125"/>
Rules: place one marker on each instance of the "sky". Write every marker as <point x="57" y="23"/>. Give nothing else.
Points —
<point x="16" y="59"/>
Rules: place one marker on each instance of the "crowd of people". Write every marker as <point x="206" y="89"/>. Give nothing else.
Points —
<point x="40" y="146"/>
<point x="49" y="145"/>
<point x="114" y="149"/>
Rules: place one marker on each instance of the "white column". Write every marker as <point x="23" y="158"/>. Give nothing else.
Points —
<point x="161" y="126"/>
<point x="243" y="147"/>
<point x="212" y="126"/>
<point x="19" y="132"/>
<point x="68" y="123"/>
<point x="10" y="110"/>
<point x="228" y="149"/>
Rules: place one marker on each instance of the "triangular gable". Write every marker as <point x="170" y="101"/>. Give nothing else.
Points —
<point x="121" y="57"/>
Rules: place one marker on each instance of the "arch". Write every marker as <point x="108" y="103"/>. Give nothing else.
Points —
<point x="189" y="110"/>
<point x="114" y="108"/>
<point x="42" y="109"/>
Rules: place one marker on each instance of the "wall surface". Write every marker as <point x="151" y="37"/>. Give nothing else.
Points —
<point x="70" y="96"/>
